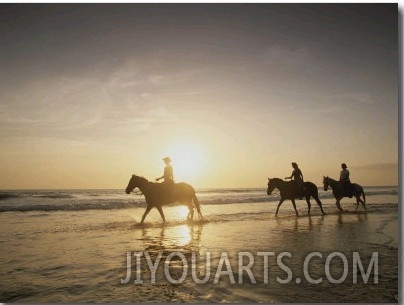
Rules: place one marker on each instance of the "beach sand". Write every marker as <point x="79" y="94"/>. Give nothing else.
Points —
<point x="69" y="256"/>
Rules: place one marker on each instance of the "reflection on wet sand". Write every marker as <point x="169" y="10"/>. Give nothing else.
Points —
<point x="184" y="237"/>
<point x="171" y="246"/>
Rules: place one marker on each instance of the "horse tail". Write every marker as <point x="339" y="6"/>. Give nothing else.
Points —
<point x="197" y="205"/>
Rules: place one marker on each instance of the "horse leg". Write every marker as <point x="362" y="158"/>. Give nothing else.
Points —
<point x="294" y="206"/>
<point x="320" y="205"/>
<point x="148" y="208"/>
<point x="191" y="210"/>
<point x="364" y="199"/>
<point x="279" y="204"/>
<point x="191" y="213"/>
<point x="358" y="199"/>
<point x="160" y="209"/>
<point x="339" y="205"/>
<point x="364" y="204"/>
<point x="308" y="204"/>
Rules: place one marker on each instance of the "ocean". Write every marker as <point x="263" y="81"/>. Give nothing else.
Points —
<point x="82" y="199"/>
<point x="72" y="245"/>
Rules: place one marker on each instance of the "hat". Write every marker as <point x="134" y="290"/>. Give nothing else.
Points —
<point x="167" y="159"/>
<point x="343" y="165"/>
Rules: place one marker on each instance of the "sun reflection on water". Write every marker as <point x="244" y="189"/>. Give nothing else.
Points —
<point x="181" y="235"/>
<point x="181" y="212"/>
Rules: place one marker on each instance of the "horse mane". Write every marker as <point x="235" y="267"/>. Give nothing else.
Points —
<point x="333" y="180"/>
<point x="140" y="178"/>
<point x="145" y="181"/>
<point x="278" y="180"/>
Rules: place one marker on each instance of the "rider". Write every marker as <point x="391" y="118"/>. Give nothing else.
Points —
<point x="168" y="176"/>
<point x="297" y="176"/>
<point x="345" y="181"/>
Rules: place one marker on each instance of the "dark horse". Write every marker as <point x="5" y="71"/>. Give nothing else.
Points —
<point x="288" y="191"/>
<point x="156" y="195"/>
<point x="339" y="193"/>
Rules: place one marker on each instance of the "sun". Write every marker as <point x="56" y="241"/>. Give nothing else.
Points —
<point x="188" y="160"/>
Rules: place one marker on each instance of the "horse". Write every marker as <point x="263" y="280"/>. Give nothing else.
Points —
<point x="339" y="193"/>
<point x="288" y="191"/>
<point x="156" y="195"/>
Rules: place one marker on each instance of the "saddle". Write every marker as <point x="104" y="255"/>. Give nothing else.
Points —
<point x="296" y="192"/>
<point x="347" y="189"/>
<point x="168" y="191"/>
<point x="299" y="194"/>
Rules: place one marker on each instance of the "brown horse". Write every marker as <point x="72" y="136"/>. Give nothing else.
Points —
<point x="159" y="194"/>
<point x="339" y="192"/>
<point x="288" y="191"/>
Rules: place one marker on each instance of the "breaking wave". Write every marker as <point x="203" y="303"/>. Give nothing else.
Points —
<point x="78" y="200"/>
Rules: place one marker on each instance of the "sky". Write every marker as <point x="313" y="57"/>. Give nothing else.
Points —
<point x="93" y="93"/>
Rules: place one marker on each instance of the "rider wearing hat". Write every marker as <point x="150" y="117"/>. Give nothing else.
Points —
<point x="168" y="175"/>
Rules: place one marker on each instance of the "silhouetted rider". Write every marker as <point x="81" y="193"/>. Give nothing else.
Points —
<point x="344" y="179"/>
<point x="297" y="176"/>
<point x="168" y="177"/>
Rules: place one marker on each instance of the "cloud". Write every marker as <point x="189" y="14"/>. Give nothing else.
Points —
<point x="128" y="74"/>
<point x="157" y="69"/>
<point x="58" y="103"/>
<point x="377" y="166"/>
<point x="299" y="59"/>
<point x="140" y="120"/>
<point x="51" y="106"/>
<point x="353" y="97"/>
<point x="337" y="103"/>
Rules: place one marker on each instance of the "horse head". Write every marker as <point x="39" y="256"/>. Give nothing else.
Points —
<point x="134" y="182"/>
<point x="326" y="182"/>
<point x="271" y="186"/>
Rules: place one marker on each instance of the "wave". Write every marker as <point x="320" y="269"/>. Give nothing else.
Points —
<point x="231" y="190"/>
<point x="4" y="196"/>
<point x="68" y="207"/>
<point x="54" y="196"/>
<point x="78" y="200"/>
<point x="381" y="192"/>
<point x="10" y="195"/>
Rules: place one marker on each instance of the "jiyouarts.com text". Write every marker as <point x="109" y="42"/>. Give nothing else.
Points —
<point x="247" y="266"/>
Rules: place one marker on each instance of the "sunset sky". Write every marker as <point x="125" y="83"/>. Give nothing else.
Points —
<point x="93" y="93"/>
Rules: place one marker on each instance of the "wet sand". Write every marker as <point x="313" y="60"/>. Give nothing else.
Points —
<point x="82" y="257"/>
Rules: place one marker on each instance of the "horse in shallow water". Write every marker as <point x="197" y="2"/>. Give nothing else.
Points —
<point x="288" y="191"/>
<point x="339" y="192"/>
<point x="157" y="195"/>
